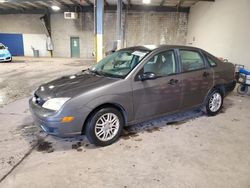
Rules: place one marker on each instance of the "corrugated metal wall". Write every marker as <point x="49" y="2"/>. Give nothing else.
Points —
<point x="14" y="42"/>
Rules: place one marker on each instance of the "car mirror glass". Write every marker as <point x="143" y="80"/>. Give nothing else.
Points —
<point x="147" y="76"/>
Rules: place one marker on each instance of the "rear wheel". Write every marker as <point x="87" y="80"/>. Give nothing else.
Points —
<point x="214" y="103"/>
<point x="104" y="126"/>
<point x="242" y="89"/>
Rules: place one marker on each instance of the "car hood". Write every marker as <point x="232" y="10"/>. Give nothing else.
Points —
<point x="70" y="86"/>
<point x="4" y="51"/>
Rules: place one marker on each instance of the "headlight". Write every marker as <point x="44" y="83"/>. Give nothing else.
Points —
<point x="55" y="103"/>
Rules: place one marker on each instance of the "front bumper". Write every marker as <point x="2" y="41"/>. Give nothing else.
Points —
<point x="50" y="121"/>
<point x="5" y="59"/>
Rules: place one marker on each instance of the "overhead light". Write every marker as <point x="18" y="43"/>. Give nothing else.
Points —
<point x="146" y="1"/>
<point x="3" y="1"/>
<point x="55" y="8"/>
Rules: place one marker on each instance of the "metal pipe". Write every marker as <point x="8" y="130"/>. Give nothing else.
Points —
<point x="119" y="24"/>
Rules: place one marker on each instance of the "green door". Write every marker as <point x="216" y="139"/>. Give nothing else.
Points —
<point x="75" y="46"/>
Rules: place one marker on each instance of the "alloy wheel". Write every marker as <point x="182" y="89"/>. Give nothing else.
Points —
<point x="107" y="126"/>
<point x="215" y="102"/>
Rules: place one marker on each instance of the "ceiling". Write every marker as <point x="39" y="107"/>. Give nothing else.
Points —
<point x="39" y="6"/>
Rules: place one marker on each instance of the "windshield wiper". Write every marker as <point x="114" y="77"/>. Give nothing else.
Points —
<point x="95" y="72"/>
<point x="104" y="74"/>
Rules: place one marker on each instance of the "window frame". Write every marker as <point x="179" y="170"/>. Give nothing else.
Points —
<point x="124" y="76"/>
<point x="191" y="50"/>
<point x="208" y="56"/>
<point x="141" y="71"/>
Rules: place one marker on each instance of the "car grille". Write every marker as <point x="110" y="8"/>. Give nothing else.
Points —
<point x="38" y="100"/>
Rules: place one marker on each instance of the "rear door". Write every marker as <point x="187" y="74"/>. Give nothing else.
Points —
<point x="197" y="77"/>
<point x="162" y="95"/>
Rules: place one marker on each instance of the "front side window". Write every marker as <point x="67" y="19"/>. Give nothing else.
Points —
<point x="2" y="47"/>
<point x="191" y="60"/>
<point x="120" y="63"/>
<point x="162" y="64"/>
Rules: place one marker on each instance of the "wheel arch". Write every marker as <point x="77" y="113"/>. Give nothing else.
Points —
<point x="220" y="87"/>
<point x="105" y="105"/>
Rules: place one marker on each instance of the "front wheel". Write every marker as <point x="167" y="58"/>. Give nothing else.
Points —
<point x="214" y="103"/>
<point x="104" y="126"/>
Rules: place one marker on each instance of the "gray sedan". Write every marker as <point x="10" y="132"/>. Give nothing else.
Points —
<point x="130" y="86"/>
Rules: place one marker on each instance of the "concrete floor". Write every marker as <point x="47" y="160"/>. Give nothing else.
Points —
<point x="196" y="151"/>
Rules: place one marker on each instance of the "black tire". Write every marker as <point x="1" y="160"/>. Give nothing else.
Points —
<point x="209" y="110"/>
<point x="91" y="126"/>
<point x="242" y="89"/>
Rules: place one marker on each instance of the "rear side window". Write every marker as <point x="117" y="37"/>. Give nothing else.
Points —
<point x="191" y="60"/>
<point x="211" y="62"/>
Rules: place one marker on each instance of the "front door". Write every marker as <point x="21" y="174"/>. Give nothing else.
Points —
<point x="197" y="78"/>
<point x="161" y="95"/>
<point x="75" y="47"/>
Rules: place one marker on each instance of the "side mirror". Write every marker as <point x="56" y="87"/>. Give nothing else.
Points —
<point x="6" y="48"/>
<point x="147" y="76"/>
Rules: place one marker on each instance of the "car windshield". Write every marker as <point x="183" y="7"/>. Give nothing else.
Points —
<point x="2" y="47"/>
<point x="119" y="64"/>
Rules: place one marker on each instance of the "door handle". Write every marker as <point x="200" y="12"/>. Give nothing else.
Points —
<point x="173" y="81"/>
<point x="205" y="74"/>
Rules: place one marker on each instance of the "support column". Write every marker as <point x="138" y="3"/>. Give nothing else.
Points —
<point x="119" y="24"/>
<point x="99" y="13"/>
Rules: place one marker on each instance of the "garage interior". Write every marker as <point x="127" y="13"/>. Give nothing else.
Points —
<point x="53" y="38"/>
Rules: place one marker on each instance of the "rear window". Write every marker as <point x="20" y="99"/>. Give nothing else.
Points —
<point x="191" y="60"/>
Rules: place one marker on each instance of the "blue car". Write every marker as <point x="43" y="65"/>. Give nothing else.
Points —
<point x="5" y="55"/>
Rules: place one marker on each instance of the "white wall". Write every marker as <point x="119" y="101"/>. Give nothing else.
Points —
<point x="37" y="41"/>
<point x="222" y="28"/>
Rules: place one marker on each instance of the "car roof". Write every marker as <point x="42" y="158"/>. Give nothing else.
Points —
<point x="159" y="47"/>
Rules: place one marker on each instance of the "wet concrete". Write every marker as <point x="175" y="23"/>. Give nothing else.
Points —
<point x="21" y="77"/>
<point x="17" y="81"/>
<point x="44" y="146"/>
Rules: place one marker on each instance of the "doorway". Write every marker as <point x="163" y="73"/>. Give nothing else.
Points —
<point x="75" y="47"/>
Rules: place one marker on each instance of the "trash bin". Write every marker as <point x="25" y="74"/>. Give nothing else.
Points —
<point x="36" y="53"/>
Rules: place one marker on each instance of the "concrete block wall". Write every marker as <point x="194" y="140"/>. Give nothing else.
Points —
<point x="63" y="29"/>
<point x="156" y="28"/>
<point x="29" y="25"/>
<point x="140" y="28"/>
<point x="21" y="23"/>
